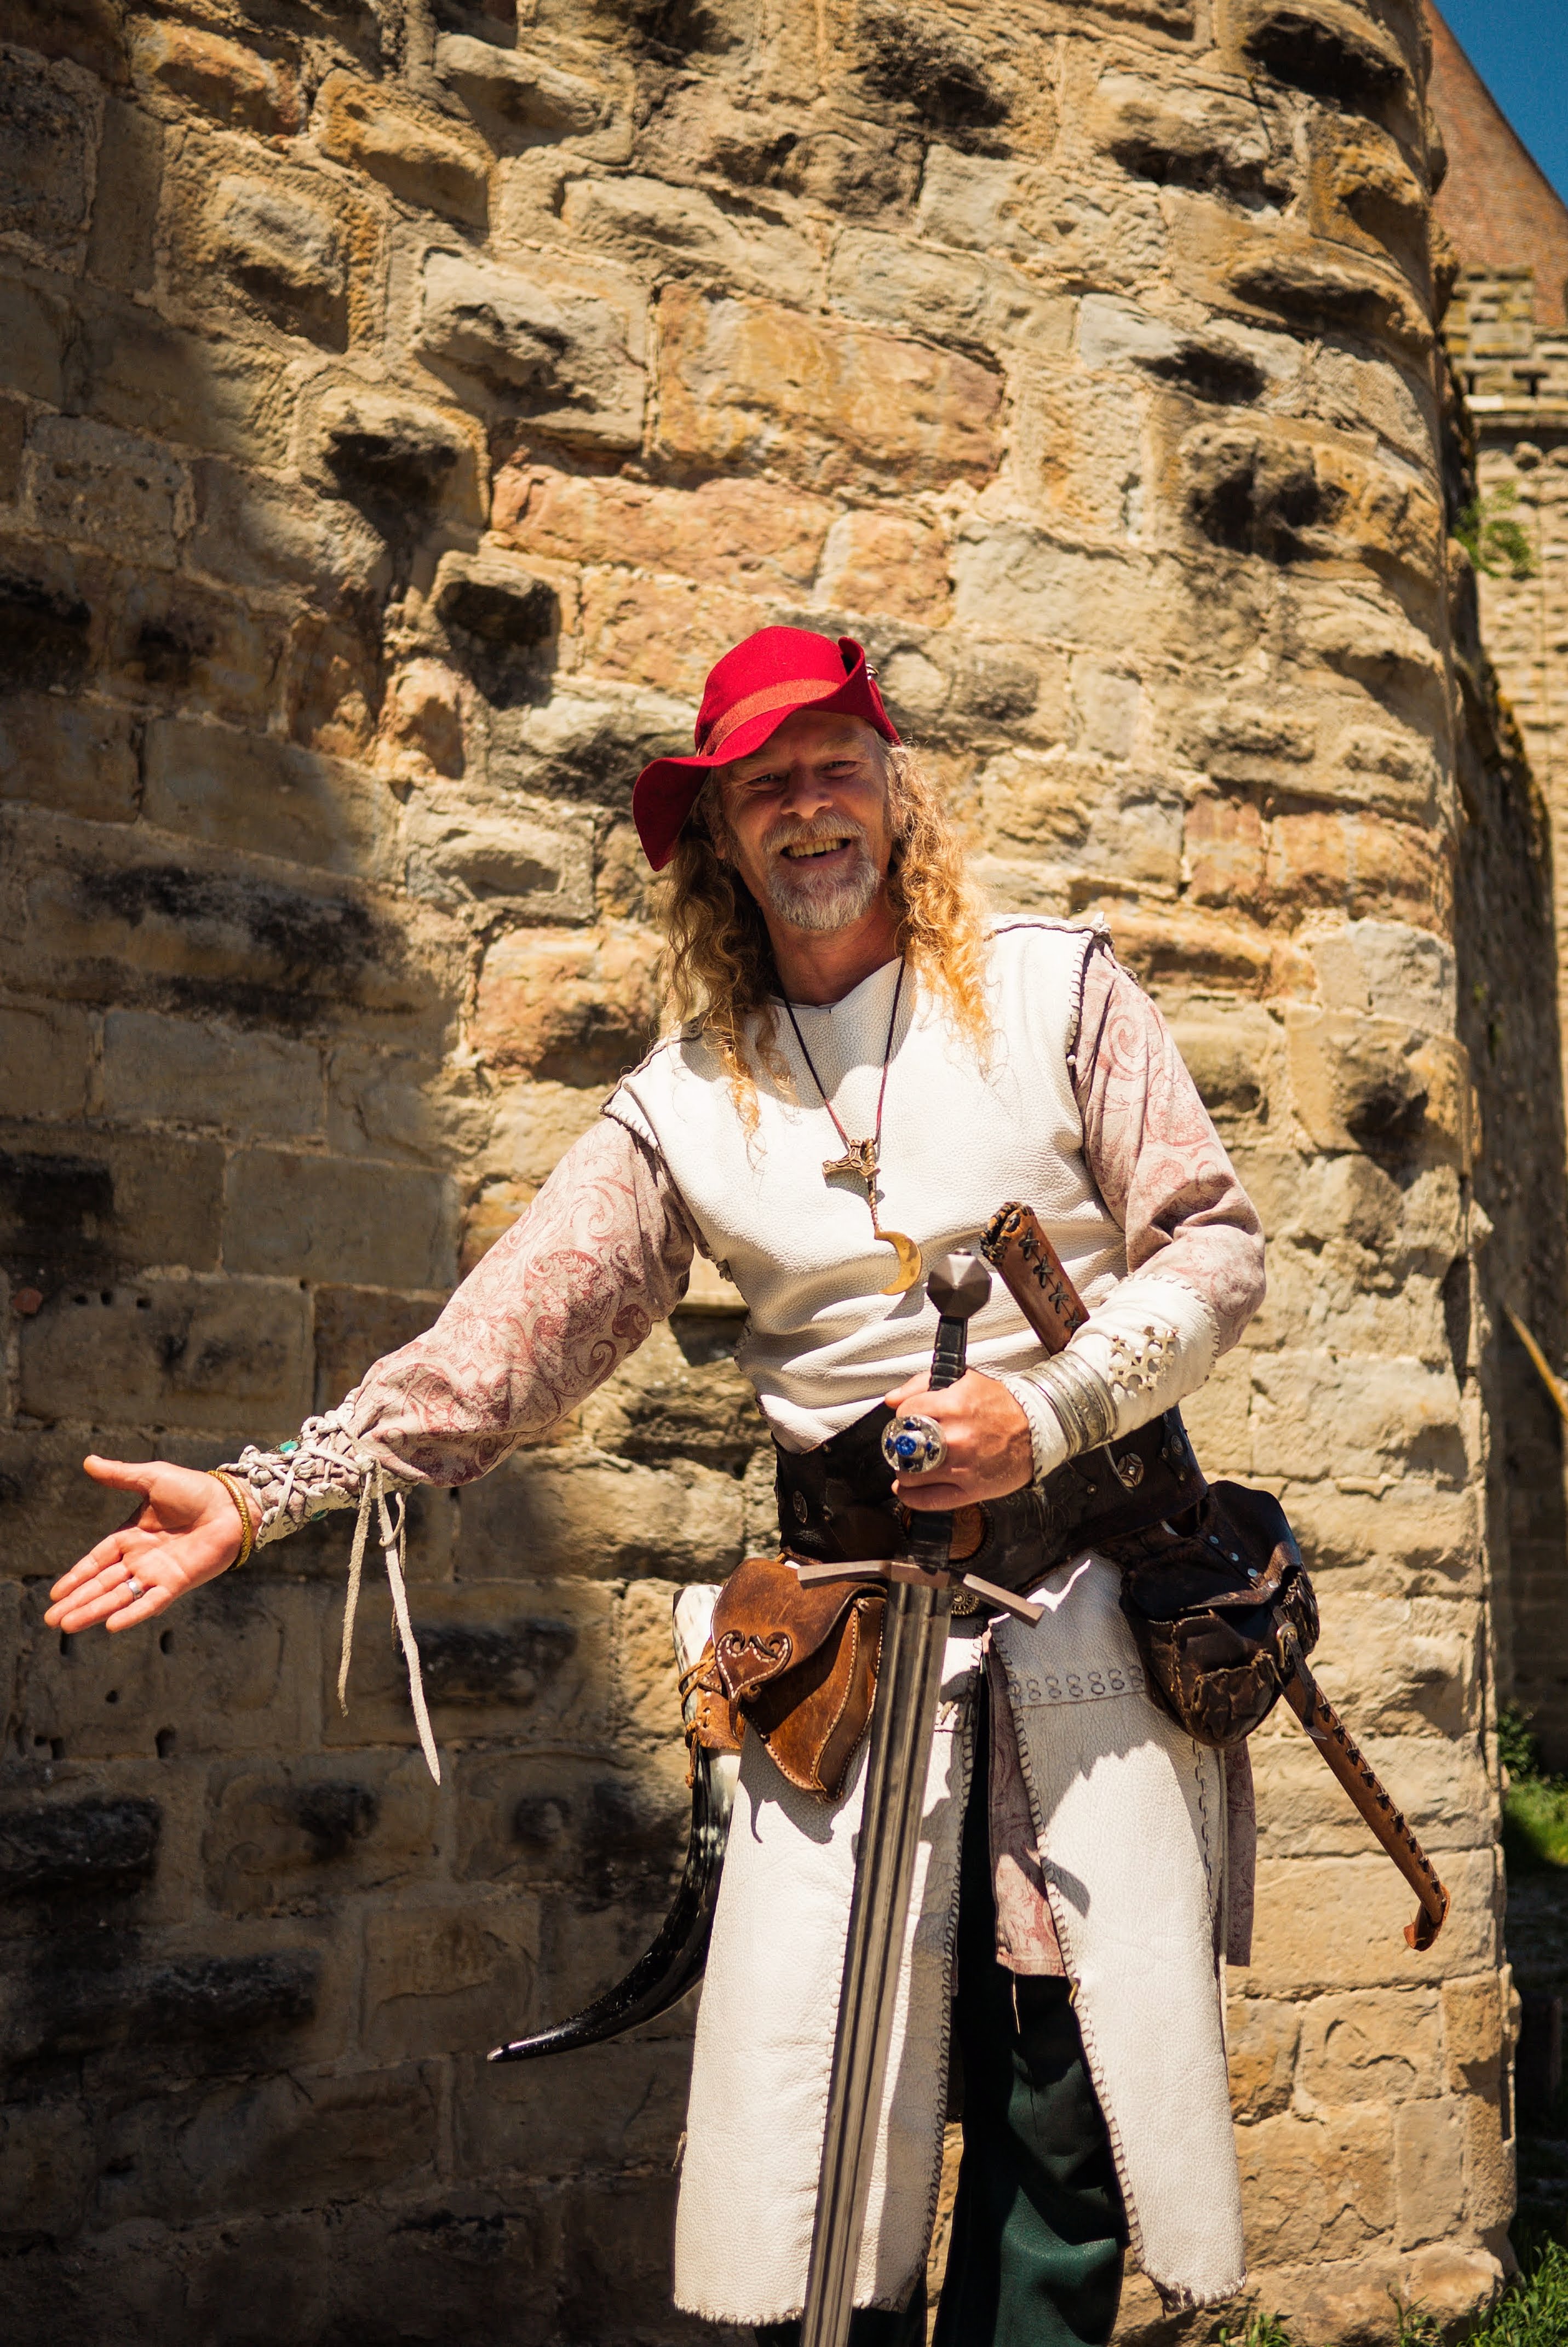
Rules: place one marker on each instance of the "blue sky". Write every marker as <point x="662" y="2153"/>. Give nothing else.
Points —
<point x="1517" y="47"/>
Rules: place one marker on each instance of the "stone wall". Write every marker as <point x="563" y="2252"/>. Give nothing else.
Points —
<point x="405" y="404"/>
<point x="1514" y="374"/>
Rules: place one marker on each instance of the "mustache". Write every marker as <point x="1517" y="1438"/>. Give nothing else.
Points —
<point x="794" y="831"/>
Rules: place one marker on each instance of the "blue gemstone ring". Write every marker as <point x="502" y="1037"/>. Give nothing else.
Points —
<point x="912" y="1445"/>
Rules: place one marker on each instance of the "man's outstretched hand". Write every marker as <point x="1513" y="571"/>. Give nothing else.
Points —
<point x="989" y="1449"/>
<point x="186" y="1530"/>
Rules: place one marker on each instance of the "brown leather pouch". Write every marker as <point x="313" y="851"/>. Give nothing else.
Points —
<point x="1206" y="1598"/>
<point x="799" y="1665"/>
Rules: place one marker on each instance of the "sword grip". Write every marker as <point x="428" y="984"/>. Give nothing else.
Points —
<point x="957" y="1284"/>
<point x="949" y="1355"/>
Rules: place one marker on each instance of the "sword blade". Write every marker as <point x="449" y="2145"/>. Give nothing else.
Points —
<point x="909" y="1682"/>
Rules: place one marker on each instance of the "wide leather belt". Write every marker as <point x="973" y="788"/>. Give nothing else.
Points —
<point x="836" y="1503"/>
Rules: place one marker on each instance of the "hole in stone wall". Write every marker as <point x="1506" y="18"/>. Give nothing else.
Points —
<point x="164" y="1740"/>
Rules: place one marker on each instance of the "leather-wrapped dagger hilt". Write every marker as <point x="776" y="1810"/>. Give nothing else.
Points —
<point x="957" y="1284"/>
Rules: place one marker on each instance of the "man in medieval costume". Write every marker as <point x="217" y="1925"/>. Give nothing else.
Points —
<point x="862" y="1068"/>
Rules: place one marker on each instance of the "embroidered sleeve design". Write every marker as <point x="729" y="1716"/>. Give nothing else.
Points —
<point x="603" y="1252"/>
<point x="1152" y="1149"/>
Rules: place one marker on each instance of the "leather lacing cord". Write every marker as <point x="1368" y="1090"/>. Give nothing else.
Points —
<point x="325" y="1438"/>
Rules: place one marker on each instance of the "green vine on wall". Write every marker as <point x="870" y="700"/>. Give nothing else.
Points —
<point x="1494" y="541"/>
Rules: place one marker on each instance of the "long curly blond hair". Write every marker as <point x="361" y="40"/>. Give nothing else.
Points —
<point x="720" y="977"/>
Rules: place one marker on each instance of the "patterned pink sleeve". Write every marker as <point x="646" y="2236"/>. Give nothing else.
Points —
<point x="577" y="1283"/>
<point x="1152" y="1147"/>
<point x="575" y="1286"/>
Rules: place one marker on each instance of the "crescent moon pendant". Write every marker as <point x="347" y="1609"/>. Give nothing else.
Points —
<point x="909" y="1263"/>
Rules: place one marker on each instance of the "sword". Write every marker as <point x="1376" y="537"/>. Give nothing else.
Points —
<point x="909" y="1679"/>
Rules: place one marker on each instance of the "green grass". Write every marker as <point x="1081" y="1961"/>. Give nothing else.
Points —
<point x="1262" y="2330"/>
<point x="1535" y="1824"/>
<point x="1532" y="2312"/>
<point x="1535" y="1806"/>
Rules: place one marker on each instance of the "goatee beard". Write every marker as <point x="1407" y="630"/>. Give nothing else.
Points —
<point x="819" y="902"/>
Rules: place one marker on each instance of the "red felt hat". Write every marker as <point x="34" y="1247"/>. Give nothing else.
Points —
<point x="748" y="695"/>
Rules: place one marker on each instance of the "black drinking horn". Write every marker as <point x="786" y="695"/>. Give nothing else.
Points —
<point x="675" y="1962"/>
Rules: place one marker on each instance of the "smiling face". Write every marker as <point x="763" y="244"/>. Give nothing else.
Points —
<point x="806" y="821"/>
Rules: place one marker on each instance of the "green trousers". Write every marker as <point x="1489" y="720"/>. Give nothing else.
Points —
<point x="1035" y="2258"/>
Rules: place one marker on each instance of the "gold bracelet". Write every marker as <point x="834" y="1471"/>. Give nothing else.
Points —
<point x="236" y="1492"/>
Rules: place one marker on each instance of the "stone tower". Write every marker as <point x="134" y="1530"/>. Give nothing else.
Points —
<point x="405" y="404"/>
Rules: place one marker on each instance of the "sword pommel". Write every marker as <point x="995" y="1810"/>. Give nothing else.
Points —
<point x="957" y="1284"/>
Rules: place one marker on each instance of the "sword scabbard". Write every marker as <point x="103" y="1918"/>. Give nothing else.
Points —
<point x="1343" y="1756"/>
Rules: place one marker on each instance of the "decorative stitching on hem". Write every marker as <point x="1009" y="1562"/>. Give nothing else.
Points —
<point x="1059" y="1911"/>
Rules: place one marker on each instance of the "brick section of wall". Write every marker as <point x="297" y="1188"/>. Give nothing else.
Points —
<point x="1514" y="468"/>
<point x="400" y="411"/>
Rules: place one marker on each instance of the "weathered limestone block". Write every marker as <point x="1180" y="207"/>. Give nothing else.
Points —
<point x="95" y="1201"/>
<point x="1321" y="2189"/>
<point x="535" y="1123"/>
<point x="513" y="2119"/>
<point x="130" y="369"/>
<point x="1073" y="811"/>
<point x="356" y="1326"/>
<point x="893" y="564"/>
<point x="1413" y="1536"/>
<point x="581" y="1513"/>
<point x="664" y="634"/>
<point x="1261" y="2040"/>
<point x="268" y="796"/>
<point x="288" y="1840"/>
<point x="48" y="130"/>
<point x="762" y="534"/>
<point x="1377" y="1084"/>
<point x="447" y="1978"/>
<point x="525" y="1659"/>
<point x="380" y="1104"/>
<point x="245" y="92"/>
<point x="1428" y="2157"/>
<point x="197" y="1073"/>
<point x="46" y="2167"/>
<point x="1442" y="1786"/>
<point x="226" y="1681"/>
<point x="588" y="741"/>
<point x="88" y="483"/>
<point x="416" y="153"/>
<point x="594" y="1831"/>
<point x="537" y="858"/>
<point x="1381" y="2045"/>
<point x="751" y="382"/>
<point x="400" y="461"/>
<point x="572" y="1006"/>
<point x="256" y="533"/>
<point x="335" y="1218"/>
<point x="684" y="232"/>
<point x="1339" y="1924"/>
<point x="530" y="95"/>
<point x="991" y="306"/>
<point x="198" y="1353"/>
<point x="568" y="360"/>
<point x="680" y="1395"/>
<point x="1371" y="1418"/>
<point x="44" y="1049"/>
